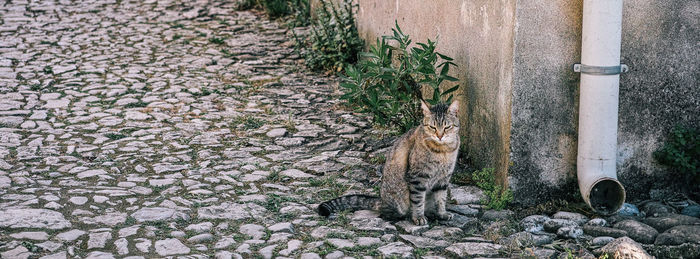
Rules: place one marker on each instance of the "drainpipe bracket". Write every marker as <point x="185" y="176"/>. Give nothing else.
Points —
<point x="600" y="70"/>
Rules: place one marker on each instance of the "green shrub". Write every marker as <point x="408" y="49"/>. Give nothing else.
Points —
<point x="280" y="8"/>
<point x="681" y="152"/>
<point x="276" y="8"/>
<point x="497" y="197"/>
<point x="387" y="83"/>
<point x="302" y="12"/>
<point x="334" y="40"/>
<point x="246" y="4"/>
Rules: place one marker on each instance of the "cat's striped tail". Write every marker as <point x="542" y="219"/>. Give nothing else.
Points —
<point x="351" y="202"/>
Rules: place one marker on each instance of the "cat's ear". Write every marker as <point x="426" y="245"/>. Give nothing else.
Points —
<point x="454" y="108"/>
<point x="425" y="107"/>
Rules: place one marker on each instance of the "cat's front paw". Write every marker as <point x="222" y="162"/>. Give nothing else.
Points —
<point x="419" y="220"/>
<point x="445" y="216"/>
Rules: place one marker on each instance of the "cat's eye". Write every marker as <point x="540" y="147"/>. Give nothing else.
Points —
<point x="448" y="127"/>
<point x="432" y="127"/>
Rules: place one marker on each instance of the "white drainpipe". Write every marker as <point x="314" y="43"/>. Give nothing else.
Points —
<point x="600" y="80"/>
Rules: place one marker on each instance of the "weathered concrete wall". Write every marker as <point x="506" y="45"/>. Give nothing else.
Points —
<point x="521" y="96"/>
<point x="545" y="97"/>
<point x="661" y="46"/>
<point x="478" y="34"/>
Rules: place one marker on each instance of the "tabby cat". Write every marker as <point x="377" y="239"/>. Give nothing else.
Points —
<point x="417" y="171"/>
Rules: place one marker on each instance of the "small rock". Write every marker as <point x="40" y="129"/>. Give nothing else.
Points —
<point x="601" y="241"/>
<point x="466" y="195"/>
<point x="534" y="223"/>
<point x="628" y="210"/>
<point x="98" y="240"/>
<point x="157" y="214"/>
<point x="580" y="219"/>
<point x="310" y="256"/>
<point x="233" y="211"/>
<point x="223" y="255"/>
<point x="279" y="237"/>
<point x="573" y="232"/>
<point x="335" y="255"/>
<point x="252" y="230"/>
<point x="178" y="234"/>
<point x="79" y="200"/>
<point x="30" y="235"/>
<point x="442" y="232"/>
<point x="122" y="246"/>
<point x="372" y="224"/>
<point x="171" y="246"/>
<point x="662" y="223"/>
<point x="341" y="243"/>
<point x="201" y="238"/>
<point x="144" y="245"/>
<point x="292" y="246"/>
<point x="19" y="252"/>
<point x="396" y="249"/>
<point x="638" y="231"/>
<point x="410" y="228"/>
<point x="200" y="228"/>
<point x="543" y="238"/>
<point x="56" y="104"/>
<point x="473" y="249"/>
<point x="70" y="235"/>
<point x="525" y="239"/>
<point x="538" y="252"/>
<point x="267" y="251"/>
<point x="553" y="225"/>
<point x="32" y="218"/>
<point x="517" y="240"/>
<point x="598" y="231"/>
<point x="59" y="255"/>
<point x="692" y="210"/>
<point x="296" y="174"/>
<point x="623" y="247"/>
<point x="282" y="227"/>
<point x="679" y="235"/>
<point x="464" y="210"/>
<point x="597" y="222"/>
<point x="99" y="255"/>
<point x="368" y="241"/>
<point x="224" y="242"/>
<point x="497" y="215"/>
<point x="423" y="242"/>
<point x="465" y="223"/>
<point x="655" y="209"/>
<point x="276" y="133"/>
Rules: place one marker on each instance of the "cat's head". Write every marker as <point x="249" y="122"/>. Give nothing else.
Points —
<point x="440" y="122"/>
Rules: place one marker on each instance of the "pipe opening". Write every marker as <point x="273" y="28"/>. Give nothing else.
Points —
<point x="607" y="196"/>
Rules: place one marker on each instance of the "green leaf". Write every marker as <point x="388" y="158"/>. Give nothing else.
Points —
<point x="448" y="91"/>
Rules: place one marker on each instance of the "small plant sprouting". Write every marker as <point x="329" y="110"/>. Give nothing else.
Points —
<point x="216" y="40"/>
<point x="681" y="151"/>
<point x="115" y="136"/>
<point x="48" y="70"/>
<point x="248" y="122"/>
<point x="497" y="197"/>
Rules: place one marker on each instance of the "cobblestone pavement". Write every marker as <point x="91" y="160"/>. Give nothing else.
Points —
<point x="149" y="129"/>
<point x="160" y="128"/>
